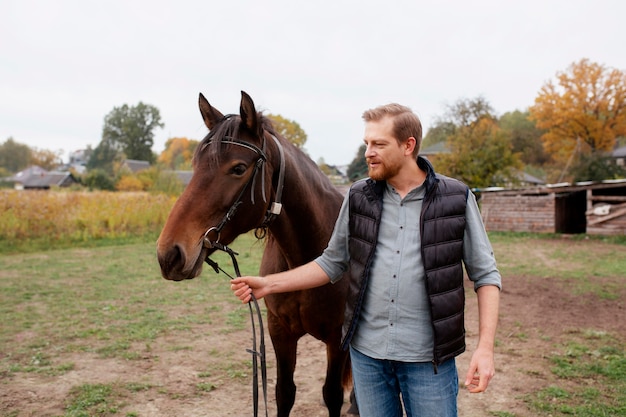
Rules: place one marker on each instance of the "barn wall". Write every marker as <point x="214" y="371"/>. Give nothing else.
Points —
<point x="518" y="213"/>
<point x="606" y="214"/>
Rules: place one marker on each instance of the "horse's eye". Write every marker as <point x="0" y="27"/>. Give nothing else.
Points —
<point x="238" y="169"/>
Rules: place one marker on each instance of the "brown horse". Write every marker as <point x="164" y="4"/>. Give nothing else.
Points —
<point x="241" y="169"/>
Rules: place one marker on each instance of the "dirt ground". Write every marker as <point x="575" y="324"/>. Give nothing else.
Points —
<point x="543" y="312"/>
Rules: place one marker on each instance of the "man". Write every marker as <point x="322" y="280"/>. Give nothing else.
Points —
<point x="404" y="233"/>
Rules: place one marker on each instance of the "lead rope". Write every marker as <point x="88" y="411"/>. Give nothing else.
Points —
<point x="257" y="355"/>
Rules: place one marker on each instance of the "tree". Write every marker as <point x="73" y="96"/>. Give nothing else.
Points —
<point x="14" y="156"/>
<point x="480" y="151"/>
<point x="596" y="167"/>
<point x="130" y="130"/>
<point x="104" y="158"/>
<point x="525" y="137"/>
<point x="585" y="111"/>
<point x="45" y="158"/>
<point x="98" y="179"/>
<point x="358" y="167"/>
<point x="466" y="112"/>
<point x="480" y="155"/>
<point x="178" y="153"/>
<point x="289" y="129"/>
<point x="440" y="132"/>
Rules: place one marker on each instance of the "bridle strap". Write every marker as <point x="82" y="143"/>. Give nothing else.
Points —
<point x="276" y="206"/>
<point x="257" y="354"/>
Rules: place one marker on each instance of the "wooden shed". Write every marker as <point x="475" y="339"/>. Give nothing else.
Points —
<point x="594" y="208"/>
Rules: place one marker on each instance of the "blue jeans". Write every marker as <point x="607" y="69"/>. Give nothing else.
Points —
<point x="383" y="386"/>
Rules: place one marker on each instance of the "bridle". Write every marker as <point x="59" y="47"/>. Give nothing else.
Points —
<point x="275" y="207"/>
<point x="260" y="232"/>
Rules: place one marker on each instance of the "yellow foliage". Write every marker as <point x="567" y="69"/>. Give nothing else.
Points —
<point x="80" y="215"/>
<point x="587" y="106"/>
<point x="178" y="153"/>
<point x="129" y="183"/>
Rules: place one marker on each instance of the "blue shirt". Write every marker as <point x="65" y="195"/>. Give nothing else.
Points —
<point x="395" y="319"/>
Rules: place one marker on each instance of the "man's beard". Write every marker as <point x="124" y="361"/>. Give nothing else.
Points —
<point x="382" y="172"/>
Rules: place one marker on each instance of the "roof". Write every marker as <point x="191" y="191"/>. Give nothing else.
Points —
<point x="135" y="165"/>
<point x="619" y="152"/>
<point x="564" y="187"/>
<point x="434" y="149"/>
<point x="37" y="177"/>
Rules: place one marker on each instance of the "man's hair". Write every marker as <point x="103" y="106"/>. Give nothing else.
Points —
<point x="405" y="122"/>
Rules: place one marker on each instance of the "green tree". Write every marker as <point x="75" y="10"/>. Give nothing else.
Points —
<point x="289" y="129"/>
<point x="104" y="158"/>
<point x="596" y="167"/>
<point x="358" y="167"/>
<point x="440" y="132"/>
<point x="130" y="130"/>
<point x="14" y="156"/>
<point x="525" y="137"/>
<point x="98" y="179"/>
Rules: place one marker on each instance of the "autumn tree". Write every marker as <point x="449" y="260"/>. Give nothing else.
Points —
<point x="178" y="153"/>
<point x="583" y="112"/>
<point x="289" y="129"/>
<point x="45" y="158"/>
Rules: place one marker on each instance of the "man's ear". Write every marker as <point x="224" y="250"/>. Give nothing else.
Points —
<point x="409" y="145"/>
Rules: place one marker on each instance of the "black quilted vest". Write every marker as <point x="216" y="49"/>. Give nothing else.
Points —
<point x="442" y="227"/>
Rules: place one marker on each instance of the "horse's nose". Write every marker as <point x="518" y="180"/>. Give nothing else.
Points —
<point x="172" y="261"/>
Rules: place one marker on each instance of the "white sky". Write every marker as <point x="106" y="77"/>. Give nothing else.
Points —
<point x="65" y="64"/>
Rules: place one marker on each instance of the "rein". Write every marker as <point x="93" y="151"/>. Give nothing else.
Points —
<point x="258" y="355"/>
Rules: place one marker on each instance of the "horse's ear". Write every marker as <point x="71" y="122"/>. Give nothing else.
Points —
<point x="247" y="111"/>
<point x="210" y="114"/>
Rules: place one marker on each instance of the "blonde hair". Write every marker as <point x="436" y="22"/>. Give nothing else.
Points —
<point x="406" y="124"/>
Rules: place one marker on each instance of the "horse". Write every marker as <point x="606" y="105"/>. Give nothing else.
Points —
<point x="240" y="170"/>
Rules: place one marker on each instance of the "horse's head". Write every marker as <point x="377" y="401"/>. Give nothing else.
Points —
<point x="229" y="193"/>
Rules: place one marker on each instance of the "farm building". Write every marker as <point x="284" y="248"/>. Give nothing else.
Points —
<point x="594" y="208"/>
<point x="37" y="178"/>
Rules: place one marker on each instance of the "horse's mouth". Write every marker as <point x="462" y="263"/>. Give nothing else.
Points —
<point x="176" y="266"/>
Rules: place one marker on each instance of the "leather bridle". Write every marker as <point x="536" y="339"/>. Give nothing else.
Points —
<point x="275" y="207"/>
<point x="260" y="232"/>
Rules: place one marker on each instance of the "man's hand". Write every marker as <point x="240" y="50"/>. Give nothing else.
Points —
<point x="244" y="287"/>
<point x="481" y="370"/>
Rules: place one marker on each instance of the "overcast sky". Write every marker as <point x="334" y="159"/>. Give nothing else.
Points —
<point x="67" y="63"/>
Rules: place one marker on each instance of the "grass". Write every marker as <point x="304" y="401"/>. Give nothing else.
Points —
<point x="111" y="302"/>
<point x="566" y="259"/>
<point x="591" y="378"/>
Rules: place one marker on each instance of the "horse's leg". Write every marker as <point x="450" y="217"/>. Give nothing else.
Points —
<point x="337" y="360"/>
<point x="285" y="347"/>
